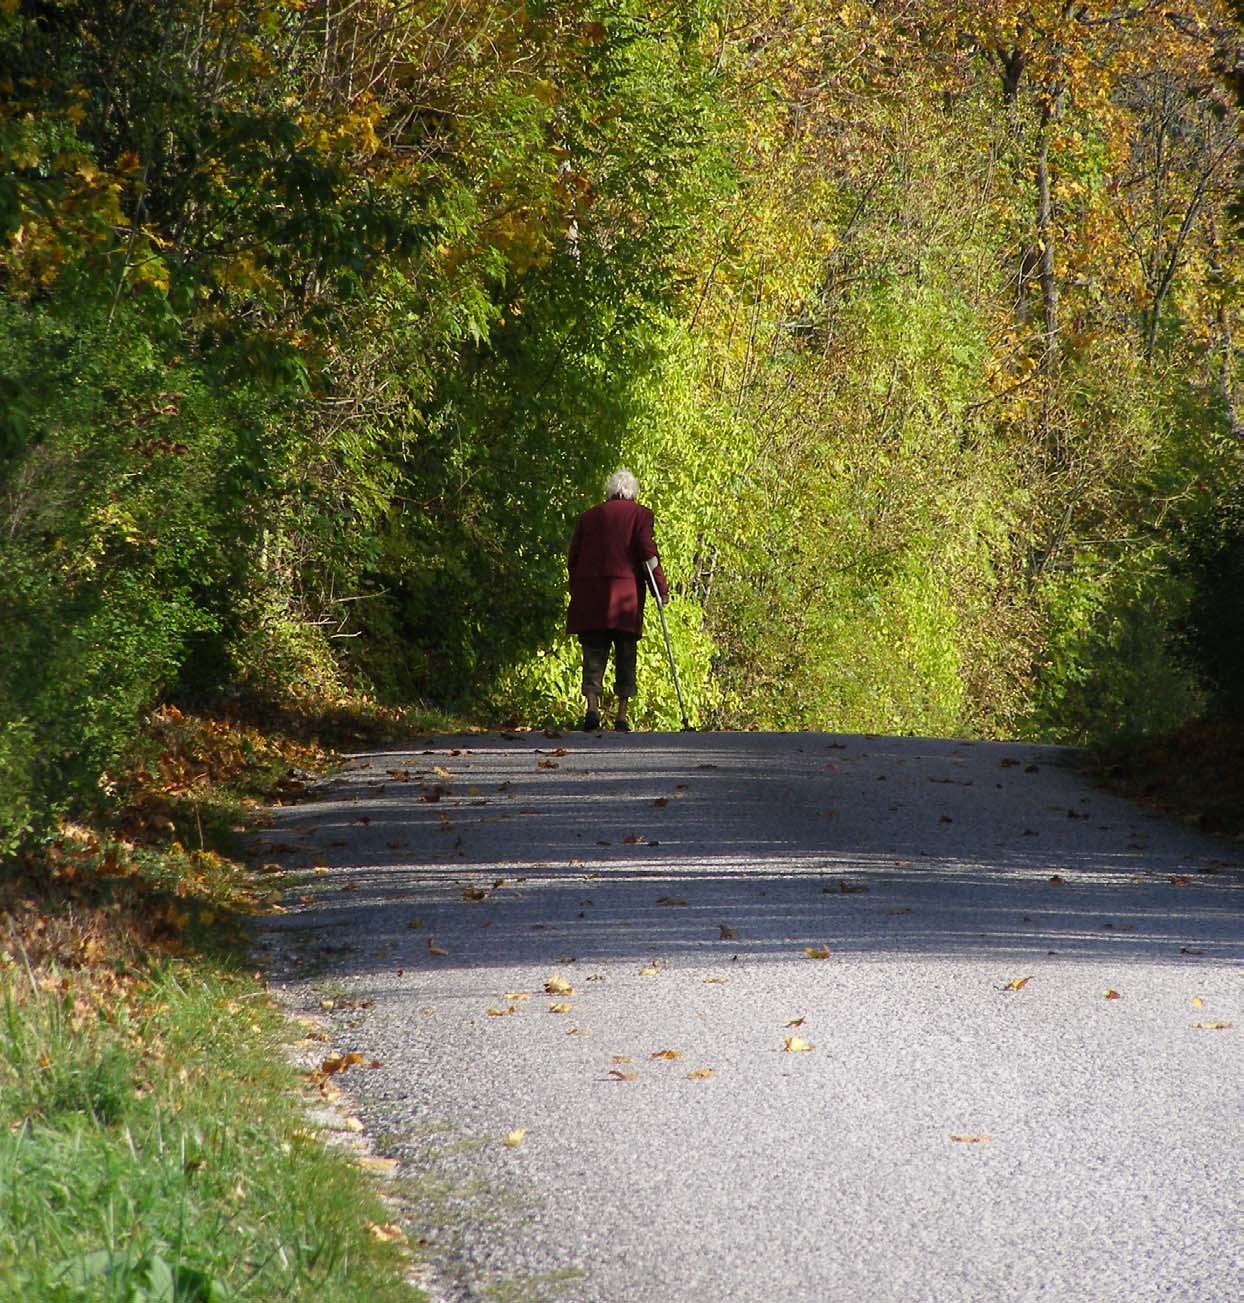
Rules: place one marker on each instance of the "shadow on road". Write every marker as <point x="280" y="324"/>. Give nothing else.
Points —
<point x="722" y="848"/>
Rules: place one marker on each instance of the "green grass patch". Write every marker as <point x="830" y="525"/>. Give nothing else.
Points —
<point x="163" y="1154"/>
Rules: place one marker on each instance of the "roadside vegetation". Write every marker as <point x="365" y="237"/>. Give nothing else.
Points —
<point x="154" y="1140"/>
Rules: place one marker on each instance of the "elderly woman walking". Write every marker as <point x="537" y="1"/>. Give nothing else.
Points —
<point x="611" y="555"/>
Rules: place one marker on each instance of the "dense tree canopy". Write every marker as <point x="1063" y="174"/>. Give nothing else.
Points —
<point x="321" y="320"/>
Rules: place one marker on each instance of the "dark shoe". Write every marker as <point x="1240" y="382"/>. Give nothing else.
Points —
<point x="591" y="721"/>
<point x="621" y="726"/>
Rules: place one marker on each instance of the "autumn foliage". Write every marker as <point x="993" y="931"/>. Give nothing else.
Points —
<point x="321" y="321"/>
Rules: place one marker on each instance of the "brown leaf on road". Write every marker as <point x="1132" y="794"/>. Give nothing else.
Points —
<point x="796" y="1022"/>
<point x="1113" y="995"/>
<point x="339" y="1063"/>
<point x="700" y="1074"/>
<point x="548" y="764"/>
<point x="1212" y="1026"/>
<point x="983" y="1139"/>
<point x="634" y="839"/>
<point x="555" y="984"/>
<point x="666" y="1054"/>
<point x="1016" y="984"/>
<point x="797" y="1045"/>
<point x="812" y="953"/>
<point x="614" y="1074"/>
<point x="661" y="802"/>
<point x="851" y="888"/>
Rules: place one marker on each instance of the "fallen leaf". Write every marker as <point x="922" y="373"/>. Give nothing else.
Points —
<point x="982" y="1139"/>
<point x="700" y="1074"/>
<point x="1057" y="879"/>
<point x="1180" y="880"/>
<point x="340" y="1063"/>
<point x="650" y="971"/>
<point x="715" y="981"/>
<point x="797" y="1045"/>
<point x="615" y="1074"/>
<point x="502" y="1013"/>
<point x="666" y="1054"/>
<point x="620" y="1058"/>
<point x="1197" y="1002"/>
<point x="634" y="839"/>
<point x="515" y="1138"/>
<point x="851" y="888"/>
<point x="388" y="1234"/>
<point x="822" y="953"/>
<point x="1016" y="984"/>
<point x="549" y="764"/>
<point x="353" y="1124"/>
<point x="1113" y="995"/>
<point x="475" y="893"/>
<point x="515" y="996"/>
<point x="555" y="984"/>
<point x="1212" y="1026"/>
<point x="661" y="802"/>
<point x="560" y="1008"/>
<point x="434" y="949"/>
<point x="441" y="773"/>
<point x="796" y="1022"/>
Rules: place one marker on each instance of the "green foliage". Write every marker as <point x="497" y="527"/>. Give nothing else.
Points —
<point x="161" y="1156"/>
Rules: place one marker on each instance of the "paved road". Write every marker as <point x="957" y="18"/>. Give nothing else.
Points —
<point x="977" y="1119"/>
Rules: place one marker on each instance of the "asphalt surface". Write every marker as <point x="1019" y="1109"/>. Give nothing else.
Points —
<point x="978" y="1119"/>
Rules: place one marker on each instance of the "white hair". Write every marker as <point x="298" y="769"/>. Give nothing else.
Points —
<point x="622" y="484"/>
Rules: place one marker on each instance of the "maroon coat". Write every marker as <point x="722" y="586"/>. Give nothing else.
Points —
<point x="607" y="582"/>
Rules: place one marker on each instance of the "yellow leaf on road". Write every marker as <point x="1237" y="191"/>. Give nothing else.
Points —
<point x="700" y="1074"/>
<point x="666" y="1054"/>
<point x="812" y="953"/>
<point x="1017" y="983"/>
<point x="390" y="1234"/>
<point x="1212" y="1026"/>
<point x="515" y="1138"/>
<point x="560" y="1008"/>
<point x="797" y="1045"/>
<point x="555" y="984"/>
<point x="1197" y="1002"/>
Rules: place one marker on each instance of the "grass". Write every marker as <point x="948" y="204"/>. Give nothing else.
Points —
<point x="154" y="1146"/>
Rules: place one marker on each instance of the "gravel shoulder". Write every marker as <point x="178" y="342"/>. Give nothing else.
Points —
<point x="955" y="1132"/>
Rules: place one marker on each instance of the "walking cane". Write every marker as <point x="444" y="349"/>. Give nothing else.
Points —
<point x="669" y="648"/>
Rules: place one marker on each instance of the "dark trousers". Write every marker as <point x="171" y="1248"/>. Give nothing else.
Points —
<point x="596" y="656"/>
